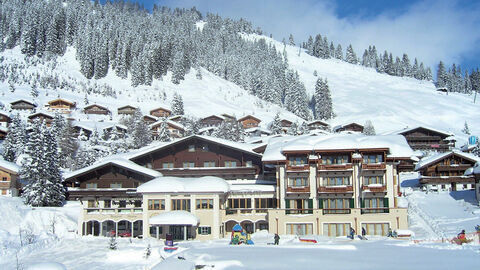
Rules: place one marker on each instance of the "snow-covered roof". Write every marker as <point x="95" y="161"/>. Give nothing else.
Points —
<point x="41" y="113"/>
<point x="260" y="129"/>
<point x="397" y="145"/>
<point x="432" y="159"/>
<point x="249" y="116"/>
<point x="249" y="188"/>
<point x="2" y="112"/>
<point x="117" y="161"/>
<point x="473" y="170"/>
<point x="316" y="121"/>
<point x="82" y="126"/>
<point x="61" y="99"/>
<point x="9" y="166"/>
<point x="23" y="100"/>
<point x="120" y="126"/>
<point x="170" y="184"/>
<point x="344" y="125"/>
<point x="178" y="217"/>
<point x="424" y="127"/>
<point x="95" y="105"/>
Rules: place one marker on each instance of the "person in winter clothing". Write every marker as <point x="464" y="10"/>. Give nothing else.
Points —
<point x="276" y="238"/>
<point x="390" y="233"/>
<point x="364" y="232"/>
<point x="461" y="235"/>
<point x="352" y="233"/>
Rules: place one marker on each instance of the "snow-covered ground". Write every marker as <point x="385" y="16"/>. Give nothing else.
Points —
<point x="441" y="215"/>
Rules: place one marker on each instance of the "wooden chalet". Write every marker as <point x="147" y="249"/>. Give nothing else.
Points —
<point x="177" y="118"/>
<point x="120" y="129"/>
<point x="249" y="121"/>
<point x="4" y="119"/>
<point x="353" y="127"/>
<point x="228" y="117"/>
<point x="3" y="133"/>
<point x="96" y="109"/>
<point x="9" y="184"/>
<point x="212" y="120"/>
<point x="126" y="110"/>
<point x="317" y="124"/>
<point x="22" y="105"/>
<point x="81" y="130"/>
<point x="61" y="105"/>
<point x="196" y="156"/>
<point x="160" y="112"/>
<point x="149" y="119"/>
<point x="176" y="130"/>
<point x="42" y="116"/>
<point x="446" y="171"/>
<point x="423" y="138"/>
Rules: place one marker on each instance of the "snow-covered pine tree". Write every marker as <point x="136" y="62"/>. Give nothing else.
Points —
<point x="291" y="42"/>
<point x="54" y="190"/>
<point x="163" y="132"/>
<point x="275" y="125"/>
<point x="293" y="129"/>
<point x="178" y="71"/>
<point x="323" y="100"/>
<point x="303" y="129"/>
<point x="177" y="105"/>
<point x="14" y="143"/>
<point x="441" y="75"/>
<point x="465" y="129"/>
<point x="192" y="126"/>
<point x="339" y="52"/>
<point x="368" y="128"/>
<point x="350" y="56"/>
<point x="139" y="131"/>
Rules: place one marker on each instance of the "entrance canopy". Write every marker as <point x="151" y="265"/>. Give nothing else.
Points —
<point x="174" y="218"/>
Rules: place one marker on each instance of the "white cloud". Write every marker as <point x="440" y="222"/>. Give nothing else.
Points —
<point x="429" y="30"/>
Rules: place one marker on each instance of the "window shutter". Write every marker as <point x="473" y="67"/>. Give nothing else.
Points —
<point x="362" y="203"/>
<point x="352" y="203"/>
<point x="209" y="230"/>
<point x="199" y="230"/>
<point x="310" y="203"/>
<point x="385" y="202"/>
<point x="320" y="203"/>
<point x="287" y="204"/>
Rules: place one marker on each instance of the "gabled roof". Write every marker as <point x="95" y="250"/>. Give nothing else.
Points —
<point x="48" y="115"/>
<point x="249" y="116"/>
<point x="126" y="106"/>
<point x="150" y="116"/>
<point x="23" y="100"/>
<point x="121" y="162"/>
<point x="435" y="158"/>
<point x="160" y="108"/>
<point x="170" y="123"/>
<point x="4" y="113"/>
<point x="406" y="130"/>
<point x="317" y="121"/>
<point x="61" y="99"/>
<point x="9" y="166"/>
<point x="120" y="126"/>
<point x="214" y="116"/>
<point x="345" y="125"/>
<point x="96" y="105"/>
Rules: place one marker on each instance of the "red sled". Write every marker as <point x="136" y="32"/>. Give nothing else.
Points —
<point x="308" y="240"/>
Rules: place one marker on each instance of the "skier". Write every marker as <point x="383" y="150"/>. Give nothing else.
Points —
<point x="461" y="235"/>
<point x="390" y="233"/>
<point x="352" y="233"/>
<point x="364" y="232"/>
<point x="276" y="238"/>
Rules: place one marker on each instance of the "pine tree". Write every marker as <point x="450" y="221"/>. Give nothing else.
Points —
<point x="15" y="140"/>
<point x="350" y="55"/>
<point x="163" y="133"/>
<point x="275" y="125"/>
<point x="441" y="75"/>
<point x="177" y="105"/>
<point x="139" y="131"/>
<point x="465" y="129"/>
<point x="303" y="129"/>
<point x="291" y="42"/>
<point x="293" y="129"/>
<point x="368" y="128"/>
<point x="323" y="100"/>
<point x="339" y="52"/>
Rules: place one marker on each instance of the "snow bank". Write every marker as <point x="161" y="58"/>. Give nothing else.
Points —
<point x="47" y="266"/>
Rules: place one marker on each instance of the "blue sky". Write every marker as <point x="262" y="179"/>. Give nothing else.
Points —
<point x="427" y="29"/>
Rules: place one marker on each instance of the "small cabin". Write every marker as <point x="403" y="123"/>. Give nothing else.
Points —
<point x="22" y="104"/>
<point x="9" y="184"/>
<point x="60" y="105"/>
<point x="42" y="116"/>
<point x="81" y="130"/>
<point x="249" y="121"/>
<point x="424" y="138"/>
<point x="96" y="109"/>
<point x="175" y="129"/>
<point x="317" y="124"/>
<point x="120" y="129"/>
<point x="212" y="120"/>
<point x="4" y="119"/>
<point x="353" y="127"/>
<point x="160" y="112"/>
<point x="126" y="110"/>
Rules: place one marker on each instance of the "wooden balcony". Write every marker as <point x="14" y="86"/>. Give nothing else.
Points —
<point x="343" y="211"/>
<point x="208" y="171"/>
<point x="4" y="184"/>
<point x="245" y="211"/>
<point x="455" y="167"/>
<point x="304" y="167"/>
<point x="298" y="211"/>
<point x="374" y="166"/>
<point x="298" y="189"/>
<point x="375" y="210"/>
<point x="447" y="179"/>
<point x="113" y="210"/>
<point x="335" y="167"/>
<point x="374" y="188"/>
<point x="335" y="189"/>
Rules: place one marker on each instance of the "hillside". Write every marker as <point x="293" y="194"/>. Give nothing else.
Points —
<point x="391" y="103"/>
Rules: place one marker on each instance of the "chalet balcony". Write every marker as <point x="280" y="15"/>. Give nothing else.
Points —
<point x="374" y="166"/>
<point x="208" y="171"/>
<point x="298" y="211"/>
<point x="304" y="167"/>
<point x="337" y="211"/>
<point x="335" y="167"/>
<point x="381" y="210"/>
<point x="374" y="188"/>
<point x="113" y="210"/>
<point x="424" y="138"/>
<point x="298" y="189"/>
<point x="447" y="179"/>
<point x="454" y="167"/>
<point x="246" y="211"/>
<point x="335" y="189"/>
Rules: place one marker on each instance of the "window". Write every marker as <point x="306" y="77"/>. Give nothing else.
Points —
<point x="4" y="178"/>
<point x="265" y="203"/>
<point x="329" y="160"/>
<point x="205" y="148"/>
<point x="299" y="228"/>
<point x="373" y="179"/>
<point x="137" y="203"/>
<point x="376" y="228"/>
<point x="116" y="185"/>
<point x="122" y="204"/>
<point x="297" y="161"/>
<point x="188" y="164"/>
<point x="249" y="164"/>
<point x="91" y="185"/>
<point x="209" y="164"/>
<point x="298" y="182"/>
<point x="372" y="158"/>
<point x="156" y="204"/>
<point x="191" y="148"/>
<point x="299" y="205"/>
<point x="204" y="204"/>
<point x="230" y="164"/>
<point x="181" y="204"/>
<point x="374" y="203"/>
<point x="204" y="230"/>
<point x="239" y="203"/>
<point x="92" y="204"/>
<point x="337" y="181"/>
<point x="337" y="203"/>
<point x="336" y="229"/>
<point x="107" y="204"/>
<point x="167" y="165"/>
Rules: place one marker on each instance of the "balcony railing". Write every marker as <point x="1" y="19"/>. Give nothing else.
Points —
<point x="298" y="211"/>
<point x="335" y="189"/>
<point x="453" y="167"/>
<point x="460" y="179"/>
<point x="335" y="167"/>
<point x="374" y="188"/>
<point x="113" y="210"/>
<point x="373" y="166"/>
<point x="298" y="189"/>
<point x="243" y="211"/>
<point x="303" y="167"/>
<point x="4" y="184"/>
<point x="375" y="210"/>
<point x="337" y="211"/>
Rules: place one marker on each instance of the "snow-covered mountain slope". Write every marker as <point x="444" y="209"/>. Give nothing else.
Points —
<point x="391" y="103"/>
<point x="201" y="98"/>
